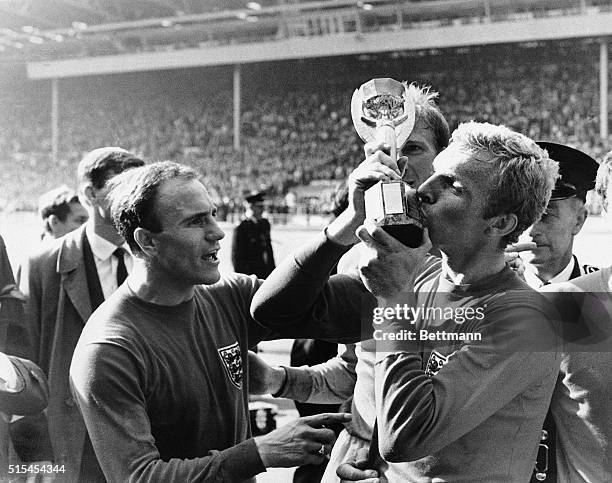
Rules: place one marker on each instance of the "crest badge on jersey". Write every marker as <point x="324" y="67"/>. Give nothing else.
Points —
<point x="232" y="360"/>
<point x="435" y="363"/>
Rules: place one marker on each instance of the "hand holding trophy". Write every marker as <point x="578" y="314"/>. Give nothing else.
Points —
<point x="382" y="111"/>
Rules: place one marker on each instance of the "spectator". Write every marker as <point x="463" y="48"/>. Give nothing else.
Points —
<point x="61" y="212"/>
<point x="64" y="283"/>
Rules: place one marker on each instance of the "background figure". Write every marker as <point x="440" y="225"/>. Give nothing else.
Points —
<point x="581" y="401"/>
<point x="551" y="260"/>
<point x="251" y="244"/>
<point x="61" y="212"/>
<point x="64" y="283"/>
<point x="23" y="388"/>
<point x="309" y="352"/>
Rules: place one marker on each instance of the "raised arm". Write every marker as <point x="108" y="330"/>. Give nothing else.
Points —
<point x="299" y="296"/>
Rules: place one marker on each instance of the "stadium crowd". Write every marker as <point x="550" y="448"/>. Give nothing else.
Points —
<point x="293" y="134"/>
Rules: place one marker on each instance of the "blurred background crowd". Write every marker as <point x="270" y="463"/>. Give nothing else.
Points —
<point x="296" y="128"/>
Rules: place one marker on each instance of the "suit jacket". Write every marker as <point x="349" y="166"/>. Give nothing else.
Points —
<point x="252" y="248"/>
<point x="549" y="426"/>
<point x="55" y="283"/>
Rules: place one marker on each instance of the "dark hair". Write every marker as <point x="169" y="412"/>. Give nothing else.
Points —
<point x="133" y="195"/>
<point x="100" y="165"/>
<point x="56" y="202"/>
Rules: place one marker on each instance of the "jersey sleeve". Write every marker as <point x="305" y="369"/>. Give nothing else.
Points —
<point x="328" y="383"/>
<point x="300" y="300"/>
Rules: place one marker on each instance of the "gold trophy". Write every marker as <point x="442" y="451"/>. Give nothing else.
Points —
<point x="382" y="110"/>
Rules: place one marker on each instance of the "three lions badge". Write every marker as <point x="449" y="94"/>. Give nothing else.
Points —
<point x="435" y="363"/>
<point x="232" y="360"/>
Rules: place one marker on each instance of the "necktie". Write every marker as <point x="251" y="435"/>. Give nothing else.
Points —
<point x="121" y="270"/>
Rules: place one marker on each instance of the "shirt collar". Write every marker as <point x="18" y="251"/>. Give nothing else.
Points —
<point x="100" y="247"/>
<point x="534" y="281"/>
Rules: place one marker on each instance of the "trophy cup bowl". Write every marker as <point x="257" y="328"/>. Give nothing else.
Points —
<point x="382" y="110"/>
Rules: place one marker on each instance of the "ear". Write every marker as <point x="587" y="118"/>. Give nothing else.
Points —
<point x="581" y="216"/>
<point x="87" y="195"/>
<point x="53" y="221"/>
<point x="144" y="239"/>
<point x="502" y="225"/>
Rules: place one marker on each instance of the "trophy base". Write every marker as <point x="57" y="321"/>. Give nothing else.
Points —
<point x="410" y="235"/>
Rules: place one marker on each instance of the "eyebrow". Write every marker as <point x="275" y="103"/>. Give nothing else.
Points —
<point x="199" y="214"/>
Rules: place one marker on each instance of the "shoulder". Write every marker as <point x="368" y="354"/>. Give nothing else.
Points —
<point x="70" y="245"/>
<point x="599" y="280"/>
<point x="114" y="318"/>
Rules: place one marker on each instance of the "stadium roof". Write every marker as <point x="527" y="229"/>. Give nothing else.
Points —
<point x="39" y="30"/>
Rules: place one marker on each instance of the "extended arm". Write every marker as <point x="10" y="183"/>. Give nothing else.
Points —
<point x="328" y="383"/>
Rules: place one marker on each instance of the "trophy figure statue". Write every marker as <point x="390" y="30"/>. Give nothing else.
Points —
<point x="382" y="111"/>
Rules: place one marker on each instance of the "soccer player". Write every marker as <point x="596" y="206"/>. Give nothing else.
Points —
<point x="452" y="409"/>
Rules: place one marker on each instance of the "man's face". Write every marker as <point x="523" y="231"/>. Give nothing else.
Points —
<point x="257" y="209"/>
<point x="454" y="200"/>
<point x="554" y="235"/>
<point x="186" y="249"/>
<point x="420" y="150"/>
<point x="75" y="218"/>
<point x="100" y="203"/>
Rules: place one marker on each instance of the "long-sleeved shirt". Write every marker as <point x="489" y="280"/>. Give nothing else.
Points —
<point x="161" y="389"/>
<point x="462" y="411"/>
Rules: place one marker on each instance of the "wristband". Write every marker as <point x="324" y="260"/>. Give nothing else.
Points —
<point x="281" y="390"/>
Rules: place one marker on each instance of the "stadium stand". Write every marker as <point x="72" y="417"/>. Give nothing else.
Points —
<point x="295" y="128"/>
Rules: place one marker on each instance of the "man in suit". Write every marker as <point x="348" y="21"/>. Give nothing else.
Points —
<point x="61" y="212"/>
<point x="581" y="400"/>
<point x="550" y="258"/>
<point x="251" y="244"/>
<point x="64" y="283"/>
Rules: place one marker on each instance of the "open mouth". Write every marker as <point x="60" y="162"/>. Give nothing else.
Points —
<point x="211" y="256"/>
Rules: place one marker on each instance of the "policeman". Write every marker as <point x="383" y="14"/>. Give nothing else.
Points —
<point x="550" y="258"/>
<point x="251" y="245"/>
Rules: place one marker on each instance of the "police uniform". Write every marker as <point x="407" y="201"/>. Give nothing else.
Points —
<point x="251" y="245"/>
<point x="577" y="173"/>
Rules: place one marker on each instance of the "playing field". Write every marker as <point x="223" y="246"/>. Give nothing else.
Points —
<point x="21" y="234"/>
<point x="21" y="231"/>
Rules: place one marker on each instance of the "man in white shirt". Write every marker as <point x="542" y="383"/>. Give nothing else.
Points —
<point x="64" y="283"/>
